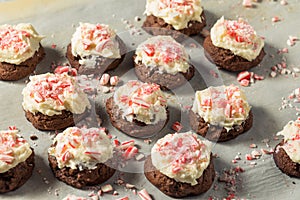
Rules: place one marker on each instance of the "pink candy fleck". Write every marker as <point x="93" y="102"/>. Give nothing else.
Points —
<point x="275" y="19"/>
<point x="247" y="3"/>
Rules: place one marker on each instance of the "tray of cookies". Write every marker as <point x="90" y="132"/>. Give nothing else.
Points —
<point x="149" y="99"/>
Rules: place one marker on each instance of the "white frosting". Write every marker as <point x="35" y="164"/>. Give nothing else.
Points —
<point x="95" y="40"/>
<point x="18" y="43"/>
<point x="291" y="133"/>
<point x="164" y="53"/>
<point x="144" y="102"/>
<point x="223" y="105"/>
<point x="81" y="148"/>
<point x="178" y="13"/>
<point x="13" y="150"/>
<point x="237" y="36"/>
<point x="50" y="94"/>
<point x="181" y="156"/>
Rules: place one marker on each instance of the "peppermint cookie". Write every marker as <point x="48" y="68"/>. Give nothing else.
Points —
<point x="20" y="51"/>
<point x="78" y="156"/>
<point x="287" y="152"/>
<point x="54" y="101"/>
<point x="138" y="109"/>
<point x="163" y="61"/>
<point x="95" y="48"/>
<point x="220" y="113"/>
<point x="234" y="45"/>
<point x="180" y="165"/>
<point x="16" y="160"/>
<point x="165" y="17"/>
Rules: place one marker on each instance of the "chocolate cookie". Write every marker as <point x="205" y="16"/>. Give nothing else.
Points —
<point x="102" y="64"/>
<point x="284" y="162"/>
<point x="165" y="80"/>
<point x="81" y="178"/>
<point x="55" y="122"/>
<point x="225" y="59"/>
<point x="13" y="72"/>
<point x="216" y="133"/>
<point x="157" y="26"/>
<point x="135" y="128"/>
<point x="17" y="176"/>
<point x="176" y="189"/>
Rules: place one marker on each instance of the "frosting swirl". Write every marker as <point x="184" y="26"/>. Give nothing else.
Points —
<point x="178" y="13"/>
<point x="237" y="36"/>
<point x="181" y="156"/>
<point x="144" y="102"/>
<point x="291" y="133"/>
<point x="223" y="105"/>
<point x="18" y="43"/>
<point x="95" y="39"/>
<point x="164" y="53"/>
<point x="81" y="148"/>
<point x="13" y="150"/>
<point x="50" y="94"/>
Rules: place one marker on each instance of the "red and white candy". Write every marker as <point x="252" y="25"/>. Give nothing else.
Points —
<point x="104" y="80"/>
<point x="114" y="80"/>
<point x="144" y="195"/>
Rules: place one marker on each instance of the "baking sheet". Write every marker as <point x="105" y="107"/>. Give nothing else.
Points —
<point x="58" y="19"/>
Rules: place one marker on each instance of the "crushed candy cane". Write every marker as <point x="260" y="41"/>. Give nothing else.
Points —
<point x="177" y="126"/>
<point x="106" y="188"/>
<point x="283" y="2"/>
<point x="65" y="69"/>
<point x="276" y="19"/>
<point x="247" y="3"/>
<point x="114" y="80"/>
<point x="292" y="40"/>
<point x="292" y="101"/>
<point x="231" y="180"/>
<point x="245" y="78"/>
<point x="123" y="198"/>
<point x="104" y="80"/>
<point x="144" y="194"/>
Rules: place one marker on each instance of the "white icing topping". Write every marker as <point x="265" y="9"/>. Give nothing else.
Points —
<point x="223" y="105"/>
<point x="237" y="36"/>
<point x="164" y="53"/>
<point x="181" y="156"/>
<point x="81" y="148"/>
<point x="13" y="150"/>
<point x="50" y="94"/>
<point x="291" y="133"/>
<point x="95" y="40"/>
<point x="144" y="102"/>
<point x="178" y="13"/>
<point x="18" y="43"/>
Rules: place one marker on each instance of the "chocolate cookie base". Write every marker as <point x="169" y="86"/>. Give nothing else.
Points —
<point x="13" y="72"/>
<point x="17" y="176"/>
<point x="284" y="162"/>
<point x="171" y="187"/>
<point x="81" y="179"/>
<point x="135" y="128"/>
<point x="103" y="64"/>
<point x="55" y="122"/>
<point x="225" y="59"/>
<point x="216" y="133"/>
<point x="157" y="26"/>
<point x="165" y="80"/>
